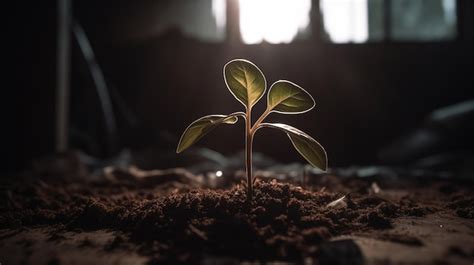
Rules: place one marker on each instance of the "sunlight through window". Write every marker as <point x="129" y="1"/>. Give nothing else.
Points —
<point x="346" y="20"/>
<point x="275" y="21"/>
<point x="219" y="13"/>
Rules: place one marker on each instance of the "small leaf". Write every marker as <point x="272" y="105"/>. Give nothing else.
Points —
<point x="203" y="126"/>
<point x="245" y="81"/>
<point x="289" y="98"/>
<point x="309" y="148"/>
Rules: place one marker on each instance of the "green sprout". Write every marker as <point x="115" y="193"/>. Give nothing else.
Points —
<point x="247" y="84"/>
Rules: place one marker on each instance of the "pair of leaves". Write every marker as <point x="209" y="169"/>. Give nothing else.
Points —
<point x="247" y="83"/>
<point x="309" y="148"/>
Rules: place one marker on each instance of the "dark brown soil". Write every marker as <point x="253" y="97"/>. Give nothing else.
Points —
<point x="402" y="239"/>
<point x="176" y="222"/>
<point x="464" y="206"/>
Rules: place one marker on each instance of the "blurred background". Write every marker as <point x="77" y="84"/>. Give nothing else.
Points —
<point x="393" y="80"/>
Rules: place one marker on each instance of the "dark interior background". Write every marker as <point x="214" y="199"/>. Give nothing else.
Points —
<point x="366" y="94"/>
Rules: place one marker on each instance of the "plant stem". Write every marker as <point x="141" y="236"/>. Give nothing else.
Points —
<point x="249" y="133"/>
<point x="257" y="123"/>
<point x="248" y="151"/>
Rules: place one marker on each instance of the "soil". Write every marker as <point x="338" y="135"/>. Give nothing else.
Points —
<point x="168" y="217"/>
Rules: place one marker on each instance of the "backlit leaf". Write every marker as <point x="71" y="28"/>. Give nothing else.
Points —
<point x="245" y="81"/>
<point x="309" y="148"/>
<point x="289" y="98"/>
<point x="203" y="126"/>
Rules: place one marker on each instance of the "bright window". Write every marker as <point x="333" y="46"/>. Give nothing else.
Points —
<point x="345" y="20"/>
<point x="359" y="21"/>
<point x="274" y="21"/>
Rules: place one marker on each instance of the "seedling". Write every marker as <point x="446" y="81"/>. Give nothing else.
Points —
<point x="247" y="84"/>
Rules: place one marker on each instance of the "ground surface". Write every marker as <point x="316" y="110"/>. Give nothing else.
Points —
<point x="136" y="217"/>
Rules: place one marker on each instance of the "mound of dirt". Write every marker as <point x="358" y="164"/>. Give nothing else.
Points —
<point x="176" y="223"/>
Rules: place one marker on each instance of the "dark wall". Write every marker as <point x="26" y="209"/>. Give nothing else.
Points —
<point x="29" y="68"/>
<point x="366" y="94"/>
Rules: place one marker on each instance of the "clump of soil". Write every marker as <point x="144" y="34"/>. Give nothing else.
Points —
<point x="463" y="206"/>
<point x="283" y="221"/>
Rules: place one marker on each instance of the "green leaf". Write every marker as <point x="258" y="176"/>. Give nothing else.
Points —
<point x="245" y="81"/>
<point x="309" y="148"/>
<point x="203" y="126"/>
<point x="289" y="98"/>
